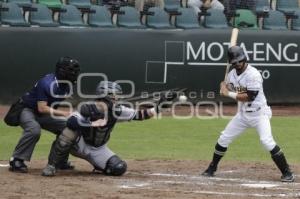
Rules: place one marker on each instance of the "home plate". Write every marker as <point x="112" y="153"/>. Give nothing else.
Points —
<point x="4" y="165"/>
<point x="260" y="185"/>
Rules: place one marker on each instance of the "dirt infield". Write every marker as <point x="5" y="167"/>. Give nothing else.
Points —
<point x="178" y="179"/>
<point x="151" y="179"/>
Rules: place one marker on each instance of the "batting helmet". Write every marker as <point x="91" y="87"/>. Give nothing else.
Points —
<point x="108" y="89"/>
<point x="67" y="69"/>
<point x="236" y="54"/>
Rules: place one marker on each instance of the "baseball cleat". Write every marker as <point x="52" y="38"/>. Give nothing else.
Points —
<point x="49" y="171"/>
<point x="209" y="172"/>
<point x="288" y="177"/>
<point x="17" y="165"/>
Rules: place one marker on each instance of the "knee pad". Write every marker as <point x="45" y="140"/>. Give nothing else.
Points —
<point x="64" y="144"/>
<point x="115" y="166"/>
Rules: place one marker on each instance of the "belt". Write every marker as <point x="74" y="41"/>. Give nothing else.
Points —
<point x="255" y="110"/>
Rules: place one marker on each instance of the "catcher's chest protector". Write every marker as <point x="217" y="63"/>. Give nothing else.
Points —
<point x="98" y="136"/>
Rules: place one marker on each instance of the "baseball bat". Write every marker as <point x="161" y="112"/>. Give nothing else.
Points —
<point x="233" y="41"/>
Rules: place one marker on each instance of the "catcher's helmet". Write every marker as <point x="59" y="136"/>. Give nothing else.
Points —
<point x="108" y="89"/>
<point x="67" y="69"/>
<point x="236" y="54"/>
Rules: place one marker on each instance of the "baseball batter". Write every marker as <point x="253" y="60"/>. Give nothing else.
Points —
<point x="245" y="85"/>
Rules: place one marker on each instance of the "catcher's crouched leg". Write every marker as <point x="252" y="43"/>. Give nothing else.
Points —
<point x="115" y="166"/>
<point x="59" y="151"/>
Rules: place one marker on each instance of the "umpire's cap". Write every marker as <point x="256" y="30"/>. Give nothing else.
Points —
<point x="67" y="68"/>
<point x="236" y="54"/>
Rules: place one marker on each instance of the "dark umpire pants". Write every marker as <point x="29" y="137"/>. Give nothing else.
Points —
<point x="32" y="124"/>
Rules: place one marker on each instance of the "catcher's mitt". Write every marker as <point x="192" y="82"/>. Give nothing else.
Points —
<point x="165" y="97"/>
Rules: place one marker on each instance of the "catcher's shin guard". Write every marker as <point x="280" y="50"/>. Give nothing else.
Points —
<point x="280" y="161"/>
<point x="61" y="147"/>
<point x="58" y="153"/>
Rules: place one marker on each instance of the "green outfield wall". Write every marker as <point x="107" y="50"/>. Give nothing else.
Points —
<point x="152" y="59"/>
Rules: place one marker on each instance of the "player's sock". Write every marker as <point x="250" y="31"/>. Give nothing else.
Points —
<point x="279" y="159"/>
<point x="218" y="154"/>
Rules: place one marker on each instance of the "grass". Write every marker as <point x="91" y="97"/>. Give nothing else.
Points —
<point x="176" y="139"/>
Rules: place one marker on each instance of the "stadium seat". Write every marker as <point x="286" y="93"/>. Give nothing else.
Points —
<point x="262" y="6"/>
<point x="129" y="17"/>
<point x="215" y="18"/>
<point x="21" y="2"/>
<point x="51" y="3"/>
<point x="100" y="18"/>
<point x="158" y="19"/>
<point x="42" y="16"/>
<point x="287" y="6"/>
<point x="187" y="19"/>
<point x="80" y="3"/>
<point x="295" y="24"/>
<point x="245" y="19"/>
<point x="171" y="5"/>
<point x="274" y="21"/>
<point x="13" y="16"/>
<point x="71" y="16"/>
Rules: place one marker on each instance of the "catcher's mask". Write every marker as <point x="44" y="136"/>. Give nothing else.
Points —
<point x="109" y="90"/>
<point x="67" y="68"/>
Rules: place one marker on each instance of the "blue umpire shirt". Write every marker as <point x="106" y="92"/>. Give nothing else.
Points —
<point x="42" y="92"/>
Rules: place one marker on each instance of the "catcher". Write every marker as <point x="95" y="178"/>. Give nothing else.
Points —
<point x="89" y="129"/>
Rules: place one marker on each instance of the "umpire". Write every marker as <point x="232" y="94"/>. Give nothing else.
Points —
<point x="36" y="114"/>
